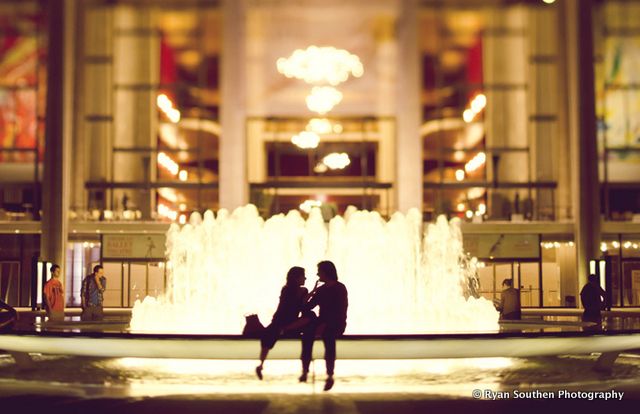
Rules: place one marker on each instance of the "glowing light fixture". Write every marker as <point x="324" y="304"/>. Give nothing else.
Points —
<point x="320" y="168"/>
<point x="475" y="107"/>
<point x="316" y="65"/>
<point x="323" y="126"/>
<point x="468" y="115"/>
<point x="460" y="206"/>
<point x="167" y="212"/>
<point x="556" y="244"/>
<point x="459" y="175"/>
<point x="168" y="163"/>
<point x="322" y="99"/>
<point x="306" y="140"/>
<point x="482" y="208"/>
<point x="166" y="106"/>
<point x="476" y="162"/>
<point x="307" y="205"/>
<point x="336" y="161"/>
<point x="183" y="175"/>
<point x="478" y="103"/>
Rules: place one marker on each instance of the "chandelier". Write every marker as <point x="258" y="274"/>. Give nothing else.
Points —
<point x="323" y="126"/>
<point x="322" y="99"/>
<point x="306" y="139"/>
<point x="321" y="65"/>
<point x="336" y="160"/>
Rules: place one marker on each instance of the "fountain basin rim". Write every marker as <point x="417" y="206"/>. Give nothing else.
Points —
<point x="348" y="337"/>
<point x="349" y="347"/>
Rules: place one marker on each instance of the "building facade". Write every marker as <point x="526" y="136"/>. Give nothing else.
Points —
<point x="518" y="117"/>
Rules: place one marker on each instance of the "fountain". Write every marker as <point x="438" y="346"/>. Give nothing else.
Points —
<point x="399" y="280"/>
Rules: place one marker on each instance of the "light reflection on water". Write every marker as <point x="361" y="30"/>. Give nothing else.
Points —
<point x="137" y="377"/>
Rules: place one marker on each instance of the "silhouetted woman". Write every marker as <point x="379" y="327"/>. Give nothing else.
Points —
<point x="332" y="299"/>
<point x="293" y="297"/>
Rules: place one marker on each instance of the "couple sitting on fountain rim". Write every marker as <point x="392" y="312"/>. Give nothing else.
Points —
<point x="294" y="316"/>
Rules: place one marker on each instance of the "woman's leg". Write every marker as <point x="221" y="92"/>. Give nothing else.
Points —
<point x="267" y="341"/>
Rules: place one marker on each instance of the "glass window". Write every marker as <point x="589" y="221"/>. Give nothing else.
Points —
<point x="530" y="284"/>
<point x="487" y="113"/>
<point x="617" y="46"/>
<point x="611" y="247"/>
<point x="82" y="255"/>
<point x="297" y="163"/>
<point x="630" y="248"/>
<point x="559" y="275"/>
<point x="22" y="108"/>
<point x="155" y="69"/>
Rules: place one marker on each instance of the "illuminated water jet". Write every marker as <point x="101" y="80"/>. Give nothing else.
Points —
<point x="399" y="279"/>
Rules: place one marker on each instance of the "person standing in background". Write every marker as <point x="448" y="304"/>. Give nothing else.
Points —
<point x="509" y="303"/>
<point x="54" y="295"/>
<point x="93" y="287"/>
<point x="593" y="300"/>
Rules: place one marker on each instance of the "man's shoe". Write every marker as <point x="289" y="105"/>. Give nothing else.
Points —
<point x="259" y="372"/>
<point x="303" y="377"/>
<point x="328" y="384"/>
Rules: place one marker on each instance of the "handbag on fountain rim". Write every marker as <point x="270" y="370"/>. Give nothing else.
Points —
<point x="252" y="326"/>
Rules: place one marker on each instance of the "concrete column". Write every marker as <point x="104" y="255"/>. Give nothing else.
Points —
<point x="387" y="68"/>
<point x="548" y="153"/>
<point x="136" y="72"/>
<point x="582" y="131"/>
<point x="505" y="53"/>
<point x="58" y="132"/>
<point x="233" y="149"/>
<point x="94" y="137"/>
<point x="409" y="145"/>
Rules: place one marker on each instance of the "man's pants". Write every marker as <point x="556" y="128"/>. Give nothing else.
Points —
<point x="56" y="315"/>
<point x="92" y="313"/>
<point x="328" y="335"/>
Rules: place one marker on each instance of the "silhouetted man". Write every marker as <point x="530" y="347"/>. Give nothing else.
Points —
<point x="332" y="299"/>
<point x="592" y="296"/>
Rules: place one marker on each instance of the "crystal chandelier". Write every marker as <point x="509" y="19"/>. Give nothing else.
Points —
<point x="321" y="65"/>
<point x="306" y="140"/>
<point x="322" y="99"/>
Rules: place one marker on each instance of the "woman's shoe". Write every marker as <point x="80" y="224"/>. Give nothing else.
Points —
<point x="259" y="372"/>
<point x="303" y="377"/>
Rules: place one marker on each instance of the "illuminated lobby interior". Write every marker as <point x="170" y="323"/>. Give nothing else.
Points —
<point x="133" y="114"/>
<point x="518" y="118"/>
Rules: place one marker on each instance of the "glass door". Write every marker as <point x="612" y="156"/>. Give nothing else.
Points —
<point x="10" y="282"/>
<point x="631" y="282"/>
